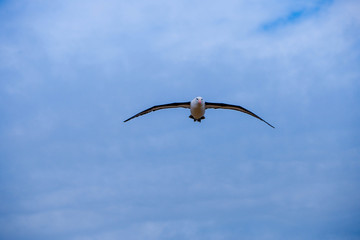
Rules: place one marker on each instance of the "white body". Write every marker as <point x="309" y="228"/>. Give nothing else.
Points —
<point x="197" y="107"/>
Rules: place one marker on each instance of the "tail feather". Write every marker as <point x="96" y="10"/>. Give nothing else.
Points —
<point x="196" y="120"/>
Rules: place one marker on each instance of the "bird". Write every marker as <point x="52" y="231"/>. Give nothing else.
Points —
<point x="197" y="109"/>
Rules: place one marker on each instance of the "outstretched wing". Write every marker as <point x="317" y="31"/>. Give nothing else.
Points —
<point x="163" y="106"/>
<point x="234" y="107"/>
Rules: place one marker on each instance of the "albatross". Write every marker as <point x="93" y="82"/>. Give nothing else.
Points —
<point x="197" y="109"/>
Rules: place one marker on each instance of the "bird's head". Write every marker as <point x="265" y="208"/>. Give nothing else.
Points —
<point x="198" y="100"/>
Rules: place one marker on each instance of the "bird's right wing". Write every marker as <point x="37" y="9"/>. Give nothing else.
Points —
<point x="236" y="108"/>
<point x="159" y="107"/>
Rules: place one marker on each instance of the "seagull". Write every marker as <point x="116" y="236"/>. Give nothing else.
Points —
<point x="197" y="109"/>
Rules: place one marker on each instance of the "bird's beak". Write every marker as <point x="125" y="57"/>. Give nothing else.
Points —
<point x="199" y="101"/>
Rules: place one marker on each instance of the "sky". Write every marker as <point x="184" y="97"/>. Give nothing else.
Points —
<point x="72" y="71"/>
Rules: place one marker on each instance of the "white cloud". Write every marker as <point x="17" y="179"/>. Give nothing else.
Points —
<point x="75" y="69"/>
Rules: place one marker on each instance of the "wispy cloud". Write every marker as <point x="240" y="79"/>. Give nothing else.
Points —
<point x="72" y="71"/>
<point x="304" y="11"/>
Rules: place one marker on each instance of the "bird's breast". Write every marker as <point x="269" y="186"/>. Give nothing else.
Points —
<point x="197" y="110"/>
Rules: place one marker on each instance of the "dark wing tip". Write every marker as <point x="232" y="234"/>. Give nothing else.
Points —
<point x="130" y="118"/>
<point x="264" y="121"/>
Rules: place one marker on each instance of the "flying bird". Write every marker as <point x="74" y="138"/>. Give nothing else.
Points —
<point x="197" y="109"/>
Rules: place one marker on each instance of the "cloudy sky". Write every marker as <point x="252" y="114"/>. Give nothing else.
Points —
<point x="71" y="71"/>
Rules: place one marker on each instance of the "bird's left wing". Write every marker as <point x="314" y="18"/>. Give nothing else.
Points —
<point x="163" y="106"/>
<point x="234" y="107"/>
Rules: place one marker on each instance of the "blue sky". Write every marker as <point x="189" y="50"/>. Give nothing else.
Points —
<point x="72" y="71"/>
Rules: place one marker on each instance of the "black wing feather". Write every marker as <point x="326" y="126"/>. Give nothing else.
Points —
<point x="163" y="106"/>
<point x="234" y="107"/>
